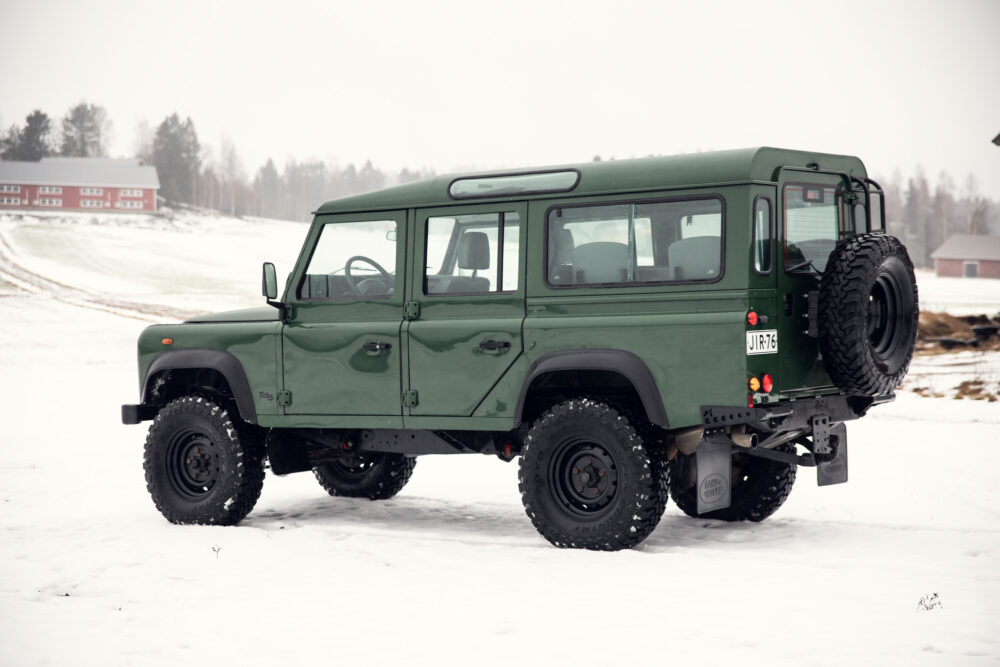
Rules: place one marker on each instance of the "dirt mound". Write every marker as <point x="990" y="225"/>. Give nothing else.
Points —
<point x="942" y="325"/>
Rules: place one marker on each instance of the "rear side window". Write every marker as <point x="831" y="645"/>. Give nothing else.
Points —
<point x="629" y="243"/>
<point x="762" y="235"/>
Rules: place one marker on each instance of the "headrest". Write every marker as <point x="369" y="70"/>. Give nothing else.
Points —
<point x="561" y="251"/>
<point x="474" y="251"/>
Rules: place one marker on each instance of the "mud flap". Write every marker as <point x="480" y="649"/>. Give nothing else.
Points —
<point x="714" y="462"/>
<point x="834" y="471"/>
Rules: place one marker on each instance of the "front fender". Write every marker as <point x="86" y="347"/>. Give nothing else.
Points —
<point x="219" y="360"/>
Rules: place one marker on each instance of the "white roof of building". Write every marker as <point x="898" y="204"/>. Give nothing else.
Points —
<point x="102" y="172"/>
<point x="969" y="246"/>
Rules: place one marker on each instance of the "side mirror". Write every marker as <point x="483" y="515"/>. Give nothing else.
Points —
<point x="269" y="284"/>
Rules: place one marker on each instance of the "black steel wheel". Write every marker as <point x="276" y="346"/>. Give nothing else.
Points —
<point x="587" y="480"/>
<point x="759" y="486"/>
<point x="868" y="314"/>
<point x="373" y="476"/>
<point x="201" y="466"/>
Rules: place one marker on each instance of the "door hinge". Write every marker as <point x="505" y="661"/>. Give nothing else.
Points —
<point x="284" y="398"/>
<point x="409" y="398"/>
<point x="411" y="310"/>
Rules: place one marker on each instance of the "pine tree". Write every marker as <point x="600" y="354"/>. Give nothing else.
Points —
<point x="86" y="131"/>
<point x="177" y="156"/>
<point x="31" y="143"/>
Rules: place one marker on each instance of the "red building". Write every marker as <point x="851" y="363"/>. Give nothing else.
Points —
<point x="969" y="256"/>
<point x="86" y="184"/>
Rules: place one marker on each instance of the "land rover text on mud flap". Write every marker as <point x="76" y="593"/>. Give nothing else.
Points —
<point x="697" y="326"/>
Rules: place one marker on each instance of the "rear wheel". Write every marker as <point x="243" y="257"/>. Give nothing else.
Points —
<point x="372" y="476"/>
<point x="202" y="466"/>
<point x="759" y="486"/>
<point x="587" y="480"/>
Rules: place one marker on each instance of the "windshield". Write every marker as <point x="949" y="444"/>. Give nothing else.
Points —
<point x="812" y="226"/>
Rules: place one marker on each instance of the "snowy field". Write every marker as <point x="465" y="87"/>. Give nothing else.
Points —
<point x="450" y="572"/>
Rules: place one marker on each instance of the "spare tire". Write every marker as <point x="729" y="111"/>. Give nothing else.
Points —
<point x="868" y="314"/>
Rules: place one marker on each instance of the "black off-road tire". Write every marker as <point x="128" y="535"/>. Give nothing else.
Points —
<point x="868" y="314"/>
<point x="372" y="476"/>
<point x="587" y="480"/>
<point x="760" y="486"/>
<point x="202" y="465"/>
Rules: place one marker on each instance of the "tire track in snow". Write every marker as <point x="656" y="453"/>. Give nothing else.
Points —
<point x="36" y="284"/>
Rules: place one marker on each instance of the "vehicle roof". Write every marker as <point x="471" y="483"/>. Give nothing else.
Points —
<point x="654" y="173"/>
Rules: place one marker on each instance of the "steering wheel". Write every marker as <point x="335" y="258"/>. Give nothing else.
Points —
<point x="355" y="285"/>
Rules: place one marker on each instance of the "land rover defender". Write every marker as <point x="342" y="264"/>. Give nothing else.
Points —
<point x="695" y="327"/>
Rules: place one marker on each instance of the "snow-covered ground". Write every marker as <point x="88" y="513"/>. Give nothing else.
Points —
<point x="450" y="572"/>
<point x="958" y="296"/>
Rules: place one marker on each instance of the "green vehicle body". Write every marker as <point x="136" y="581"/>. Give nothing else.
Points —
<point x="455" y="364"/>
<point x="691" y="337"/>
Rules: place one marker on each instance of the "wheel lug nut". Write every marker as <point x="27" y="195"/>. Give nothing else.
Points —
<point x="600" y="473"/>
<point x="596" y="492"/>
<point x="576" y="471"/>
<point x="189" y="461"/>
<point x="579" y="489"/>
<point x="589" y="460"/>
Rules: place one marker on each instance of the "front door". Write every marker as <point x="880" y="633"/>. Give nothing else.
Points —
<point x="341" y="346"/>
<point x="466" y="276"/>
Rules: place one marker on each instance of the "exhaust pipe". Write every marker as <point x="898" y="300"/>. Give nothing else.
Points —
<point x="742" y="438"/>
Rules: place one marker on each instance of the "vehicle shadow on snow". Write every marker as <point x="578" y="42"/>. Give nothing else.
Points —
<point x="438" y="519"/>
<point x="677" y="530"/>
<point x="435" y="518"/>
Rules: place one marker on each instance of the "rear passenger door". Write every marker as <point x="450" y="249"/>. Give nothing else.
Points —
<point x="466" y="277"/>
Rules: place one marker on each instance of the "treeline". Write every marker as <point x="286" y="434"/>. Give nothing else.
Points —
<point x="191" y="173"/>
<point x="924" y="217"/>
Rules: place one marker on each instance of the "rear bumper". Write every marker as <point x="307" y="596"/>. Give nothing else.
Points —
<point x="789" y="415"/>
<point x="134" y="414"/>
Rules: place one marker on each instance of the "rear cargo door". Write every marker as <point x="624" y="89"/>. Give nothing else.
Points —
<point x="811" y="220"/>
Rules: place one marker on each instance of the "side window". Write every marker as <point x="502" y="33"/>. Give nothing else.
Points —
<point x="475" y="253"/>
<point x="352" y="260"/>
<point x="876" y="213"/>
<point x="762" y="235"/>
<point x="860" y="218"/>
<point x="620" y="244"/>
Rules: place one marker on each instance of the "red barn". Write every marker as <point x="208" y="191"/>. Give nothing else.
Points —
<point x="969" y="256"/>
<point x="79" y="183"/>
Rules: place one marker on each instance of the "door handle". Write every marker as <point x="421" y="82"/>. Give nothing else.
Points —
<point x="372" y="347"/>
<point x="494" y="345"/>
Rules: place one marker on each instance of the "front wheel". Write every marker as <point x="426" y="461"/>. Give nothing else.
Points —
<point x="372" y="476"/>
<point x="201" y="466"/>
<point x="587" y="480"/>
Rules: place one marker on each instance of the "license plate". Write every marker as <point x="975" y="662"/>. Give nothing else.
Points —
<point x="762" y="342"/>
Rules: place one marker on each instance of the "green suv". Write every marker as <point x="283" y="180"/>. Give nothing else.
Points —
<point x="696" y="326"/>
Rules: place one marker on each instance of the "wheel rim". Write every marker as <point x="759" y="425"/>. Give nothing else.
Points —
<point x="884" y="311"/>
<point x="583" y="477"/>
<point x="192" y="463"/>
<point x="354" y="467"/>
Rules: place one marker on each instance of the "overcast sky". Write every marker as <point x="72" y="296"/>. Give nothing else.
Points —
<point x="455" y="85"/>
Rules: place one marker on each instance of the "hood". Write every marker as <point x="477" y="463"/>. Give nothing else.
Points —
<point x="261" y="314"/>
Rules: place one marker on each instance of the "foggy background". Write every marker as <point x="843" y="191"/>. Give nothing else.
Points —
<point x="269" y="109"/>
